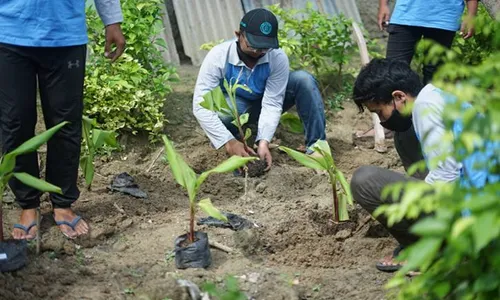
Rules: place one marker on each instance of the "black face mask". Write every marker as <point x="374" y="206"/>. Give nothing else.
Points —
<point x="397" y="122"/>
<point x="245" y="57"/>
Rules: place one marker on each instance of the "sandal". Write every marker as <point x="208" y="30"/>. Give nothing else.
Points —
<point x="71" y="224"/>
<point x="26" y="229"/>
<point x="382" y="266"/>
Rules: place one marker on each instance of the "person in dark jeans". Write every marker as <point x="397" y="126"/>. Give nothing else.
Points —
<point x="43" y="44"/>
<point x="411" y="21"/>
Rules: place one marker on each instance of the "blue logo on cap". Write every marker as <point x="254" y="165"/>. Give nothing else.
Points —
<point x="266" y="28"/>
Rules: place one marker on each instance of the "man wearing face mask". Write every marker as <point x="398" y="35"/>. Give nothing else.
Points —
<point x="386" y="87"/>
<point x="255" y="60"/>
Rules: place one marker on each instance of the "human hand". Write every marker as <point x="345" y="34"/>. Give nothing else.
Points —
<point x="265" y="153"/>
<point x="114" y="36"/>
<point x="235" y="147"/>
<point x="467" y="29"/>
<point x="384" y="14"/>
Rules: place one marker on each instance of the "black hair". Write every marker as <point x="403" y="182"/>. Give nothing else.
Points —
<point x="379" y="78"/>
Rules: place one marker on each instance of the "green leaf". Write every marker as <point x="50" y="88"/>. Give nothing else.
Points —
<point x="248" y="133"/>
<point x="485" y="229"/>
<point x="461" y="225"/>
<point x="292" y="123"/>
<point x="244" y="118"/>
<point x="421" y="254"/>
<point x="430" y="226"/>
<point x="181" y="171"/>
<point x="207" y="206"/>
<point x="101" y="137"/>
<point x="231" y="164"/>
<point x="36" y="183"/>
<point x="345" y="186"/>
<point x="87" y="165"/>
<point x="304" y="159"/>
<point x="215" y="100"/>
<point x="343" y="213"/>
<point x="486" y="282"/>
<point x="8" y="164"/>
<point x="35" y="142"/>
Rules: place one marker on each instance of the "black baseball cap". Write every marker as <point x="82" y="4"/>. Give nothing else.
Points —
<point x="261" y="28"/>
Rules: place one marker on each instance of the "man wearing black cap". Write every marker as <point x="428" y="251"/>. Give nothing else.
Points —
<point x="255" y="60"/>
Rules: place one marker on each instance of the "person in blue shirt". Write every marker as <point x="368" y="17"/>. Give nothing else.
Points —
<point x="43" y="51"/>
<point x="385" y="87"/>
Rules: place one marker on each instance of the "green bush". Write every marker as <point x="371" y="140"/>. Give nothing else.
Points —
<point x="129" y="94"/>
<point x="458" y="254"/>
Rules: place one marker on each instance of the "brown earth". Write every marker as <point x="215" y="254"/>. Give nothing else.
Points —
<point x="295" y="253"/>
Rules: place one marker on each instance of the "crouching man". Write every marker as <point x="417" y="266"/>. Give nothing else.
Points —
<point x="385" y="87"/>
<point x="254" y="59"/>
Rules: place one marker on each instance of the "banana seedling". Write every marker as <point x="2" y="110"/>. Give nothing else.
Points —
<point x="187" y="178"/>
<point x="324" y="161"/>
<point x="94" y="139"/>
<point x="8" y="163"/>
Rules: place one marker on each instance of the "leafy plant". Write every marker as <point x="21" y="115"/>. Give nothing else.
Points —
<point x="291" y="122"/>
<point x="8" y="163"/>
<point x="187" y="178"/>
<point x="324" y="161"/>
<point x="231" y="290"/>
<point x="129" y="94"/>
<point x="458" y="251"/>
<point x="215" y="101"/>
<point x="314" y="41"/>
<point x="94" y="139"/>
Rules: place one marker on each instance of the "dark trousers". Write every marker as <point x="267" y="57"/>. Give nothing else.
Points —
<point x="367" y="184"/>
<point x="60" y="73"/>
<point x="401" y="45"/>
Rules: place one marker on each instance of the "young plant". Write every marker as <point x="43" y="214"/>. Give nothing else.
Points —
<point x="94" y="139"/>
<point x="325" y="162"/>
<point x="187" y="178"/>
<point x="215" y="101"/>
<point x="8" y="163"/>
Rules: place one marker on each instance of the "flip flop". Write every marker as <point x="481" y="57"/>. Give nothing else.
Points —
<point x="71" y="224"/>
<point x="392" y="267"/>
<point x="26" y="229"/>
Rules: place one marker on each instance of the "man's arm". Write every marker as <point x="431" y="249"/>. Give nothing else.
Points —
<point x="111" y="15"/>
<point x="430" y="129"/>
<point x="274" y="95"/>
<point x="467" y="29"/>
<point x="209" y="77"/>
<point x="384" y="13"/>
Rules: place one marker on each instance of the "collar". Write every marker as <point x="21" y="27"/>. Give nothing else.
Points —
<point x="235" y="60"/>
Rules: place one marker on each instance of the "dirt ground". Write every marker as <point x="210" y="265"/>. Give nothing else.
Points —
<point x="295" y="253"/>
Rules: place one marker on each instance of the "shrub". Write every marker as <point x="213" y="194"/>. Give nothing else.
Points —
<point x="459" y="250"/>
<point x="129" y="95"/>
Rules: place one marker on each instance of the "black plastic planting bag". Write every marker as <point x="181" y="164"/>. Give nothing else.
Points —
<point x="13" y="255"/>
<point x="235" y="222"/>
<point x="195" y="255"/>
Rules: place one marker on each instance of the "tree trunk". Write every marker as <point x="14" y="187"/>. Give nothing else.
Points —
<point x="492" y="6"/>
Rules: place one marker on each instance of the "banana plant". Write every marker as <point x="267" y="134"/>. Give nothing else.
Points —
<point x="187" y="178"/>
<point x="94" y="139"/>
<point x="215" y="101"/>
<point x="8" y="163"/>
<point x="324" y="161"/>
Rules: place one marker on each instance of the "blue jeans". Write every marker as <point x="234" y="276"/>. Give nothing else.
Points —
<point x="302" y="91"/>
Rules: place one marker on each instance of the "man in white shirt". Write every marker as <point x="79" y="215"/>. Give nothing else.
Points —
<point x="255" y="60"/>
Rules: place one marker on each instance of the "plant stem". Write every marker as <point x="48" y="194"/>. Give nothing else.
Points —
<point x="191" y="223"/>
<point x="1" y="212"/>
<point x="336" y="212"/>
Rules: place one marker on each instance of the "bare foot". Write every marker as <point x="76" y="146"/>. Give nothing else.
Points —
<point x="69" y="223"/>
<point x="26" y="228"/>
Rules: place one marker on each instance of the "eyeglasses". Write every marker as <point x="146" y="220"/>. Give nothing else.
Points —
<point x="254" y="50"/>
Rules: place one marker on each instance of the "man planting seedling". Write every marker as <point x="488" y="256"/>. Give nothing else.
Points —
<point x="191" y="250"/>
<point x="388" y="88"/>
<point x="254" y="60"/>
<point x="43" y="45"/>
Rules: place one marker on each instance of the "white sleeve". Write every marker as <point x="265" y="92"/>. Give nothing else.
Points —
<point x="274" y="94"/>
<point x="430" y="130"/>
<point x="110" y="11"/>
<point x="209" y="77"/>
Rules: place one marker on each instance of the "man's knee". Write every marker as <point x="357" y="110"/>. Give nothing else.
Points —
<point x="302" y="80"/>
<point x="361" y="181"/>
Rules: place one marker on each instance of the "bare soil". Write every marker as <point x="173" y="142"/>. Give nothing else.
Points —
<point x="295" y="253"/>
